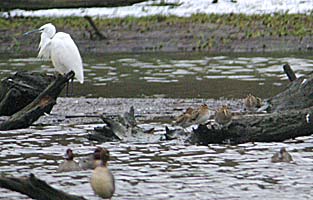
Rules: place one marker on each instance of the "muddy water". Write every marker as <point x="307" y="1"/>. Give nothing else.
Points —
<point x="162" y="170"/>
<point x="174" y="75"/>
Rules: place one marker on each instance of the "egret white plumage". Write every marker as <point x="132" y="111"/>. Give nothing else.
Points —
<point x="61" y="49"/>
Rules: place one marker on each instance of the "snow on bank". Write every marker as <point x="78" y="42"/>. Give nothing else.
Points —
<point x="184" y="8"/>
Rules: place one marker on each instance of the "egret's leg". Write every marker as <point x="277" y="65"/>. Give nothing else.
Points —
<point x="72" y="86"/>
<point x="67" y="83"/>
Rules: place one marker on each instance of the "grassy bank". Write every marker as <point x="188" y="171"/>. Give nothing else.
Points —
<point x="198" y="32"/>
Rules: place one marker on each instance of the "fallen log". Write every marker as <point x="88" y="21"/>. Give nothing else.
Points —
<point x="35" y="188"/>
<point x="19" y="90"/>
<point x="290" y="115"/>
<point x="298" y="95"/>
<point x="39" y="106"/>
<point x="274" y="127"/>
<point x="43" y="4"/>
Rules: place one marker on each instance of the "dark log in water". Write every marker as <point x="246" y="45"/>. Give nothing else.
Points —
<point x="35" y="188"/>
<point x="274" y="127"/>
<point x="19" y="90"/>
<point x="39" y="106"/>
<point x="291" y="117"/>
<point x="298" y="95"/>
<point x="43" y="4"/>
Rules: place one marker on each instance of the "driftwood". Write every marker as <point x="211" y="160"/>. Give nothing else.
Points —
<point x="19" y="90"/>
<point x="274" y="127"/>
<point x="290" y="114"/>
<point x="44" y="4"/>
<point x="39" y="106"/>
<point x="35" y="188"/>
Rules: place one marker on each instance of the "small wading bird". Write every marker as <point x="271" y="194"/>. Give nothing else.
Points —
<point x="223" y="116"/>
<point x="62" y="50"/>
<point x="252" y="103"/>
<point x="69" y="164"/>
<point x="202" y="114"/>
<point x="184" y="119"/>
<point x="102" y="180"/>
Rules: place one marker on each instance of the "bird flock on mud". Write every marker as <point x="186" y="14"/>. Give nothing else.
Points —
<point x="64" y="54"/>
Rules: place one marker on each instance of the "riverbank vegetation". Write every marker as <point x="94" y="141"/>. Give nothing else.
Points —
<point x="200" y="32"/>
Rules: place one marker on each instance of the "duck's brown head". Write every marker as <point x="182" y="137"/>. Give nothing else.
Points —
<point x="104" y="156"/>
<point x="96" y="153"/>
<point x="69" y="154"/>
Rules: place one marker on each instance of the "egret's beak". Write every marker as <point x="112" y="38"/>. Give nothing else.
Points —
<point x="33" y="31"/>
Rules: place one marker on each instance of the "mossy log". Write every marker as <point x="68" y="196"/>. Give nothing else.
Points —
<point x="35" y="188"/>
<point x="43" y="4"/>
<point x="19" y="90"/>
<point x="42" y="104"/>
<point x="290" y="114"/>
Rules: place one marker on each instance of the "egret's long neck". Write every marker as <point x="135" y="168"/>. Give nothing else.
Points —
<point x="45" y="38"/>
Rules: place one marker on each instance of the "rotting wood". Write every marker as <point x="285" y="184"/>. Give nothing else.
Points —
<point x="273" y="127"/>
<point x="298" y="95"/>
<point x="19" y="90"/>
<point x="43" y="4"/>
<point x="39" y="106"/>
<point x="35" y="188"/>
<point x="289" y="72"/>
<point x="290" y="115"/>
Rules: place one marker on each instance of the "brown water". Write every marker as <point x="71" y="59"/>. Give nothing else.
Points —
<point x="163" y="170"/>
<point x="174" y="75"/>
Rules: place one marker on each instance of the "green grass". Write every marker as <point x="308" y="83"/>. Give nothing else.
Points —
<point x="252" y="25"/>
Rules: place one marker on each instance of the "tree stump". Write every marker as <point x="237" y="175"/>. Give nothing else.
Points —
<point x="19" y="90"/>
<point x="42" y="104"/>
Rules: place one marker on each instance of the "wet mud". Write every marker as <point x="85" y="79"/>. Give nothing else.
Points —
<point x="73" y="111"/>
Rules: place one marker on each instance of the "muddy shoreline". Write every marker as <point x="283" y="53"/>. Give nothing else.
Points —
<point x="72" y="111"/>
<point x="212" y="34"/>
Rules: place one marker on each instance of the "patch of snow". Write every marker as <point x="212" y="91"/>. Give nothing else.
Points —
<point x="183" y="8"/>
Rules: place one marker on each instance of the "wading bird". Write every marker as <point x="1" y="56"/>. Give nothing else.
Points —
<point x="62" y="50"/>
<point x="223" y="116"/>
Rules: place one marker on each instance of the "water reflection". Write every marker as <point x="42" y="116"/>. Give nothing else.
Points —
<point x="172" y="75"/>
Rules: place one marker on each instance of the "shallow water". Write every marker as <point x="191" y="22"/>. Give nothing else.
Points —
<point x="180" y="75"/>
<point x="162" y="170"/>
<point x="165" y="170"/>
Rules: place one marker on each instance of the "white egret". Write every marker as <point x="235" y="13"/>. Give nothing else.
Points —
<point x="61" y="49"/>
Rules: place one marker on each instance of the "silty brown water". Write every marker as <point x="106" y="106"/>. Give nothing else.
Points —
<point x="161" y="170"/>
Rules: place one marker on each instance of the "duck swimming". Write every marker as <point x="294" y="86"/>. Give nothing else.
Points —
<point x="102" y="180"/>
<point x="69" y="164"/>
<point x="282" y="156"/>
<point x="92" y="161"/>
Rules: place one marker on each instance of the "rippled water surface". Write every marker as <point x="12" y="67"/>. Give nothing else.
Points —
<point x="162" y="170"/>
<point x="175" y="75"/>
<point x="166" y="170"/>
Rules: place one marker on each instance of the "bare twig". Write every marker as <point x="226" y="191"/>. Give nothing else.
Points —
<point x="94" y="27"/>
